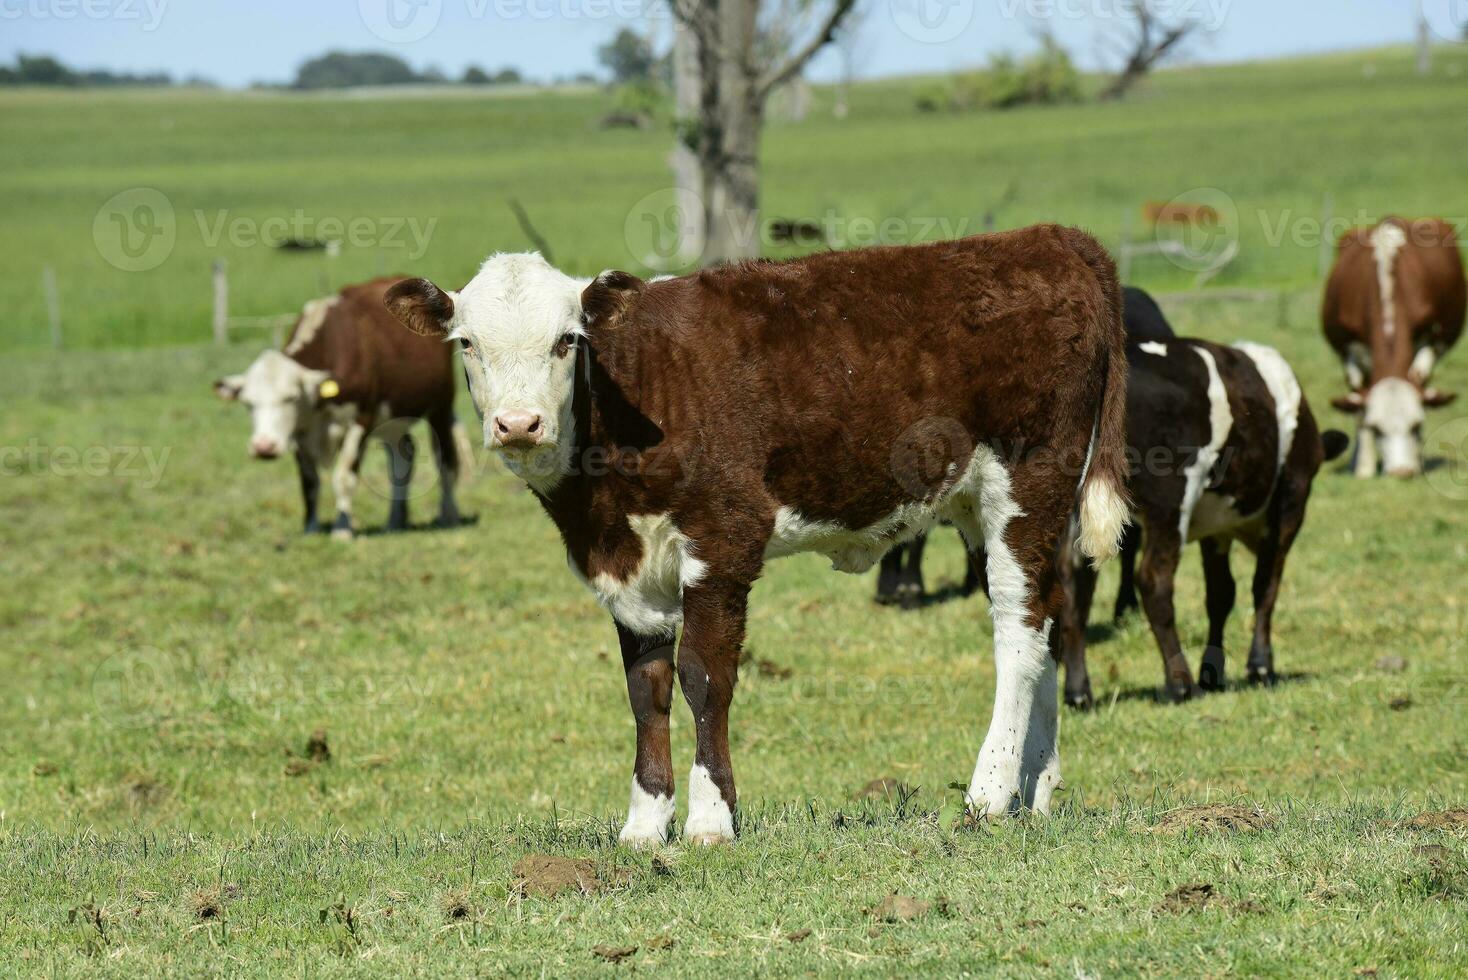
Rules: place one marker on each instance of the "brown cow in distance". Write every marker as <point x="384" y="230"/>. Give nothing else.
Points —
<point x="682" y="432"/>
<point x="349" y="372"/>
<point x="1394" y="305"/>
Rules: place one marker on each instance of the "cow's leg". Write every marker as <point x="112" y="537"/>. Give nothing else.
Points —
<point x="344" y="478"/>
<point x="1078" y="581"/>
<point x="443" y="427"/>
<point x="401" y="453"/>
<point x="1126" y="593"/>
<point x="1161" y="552"/>
<point x="310" y="474"/>
<point x="888" y="575"/>
<point x="1367" y="460"/>
<point x="1423" y="364"/>
<point x="648" y="661"/>
<point x="708" y="668"/>
<point x="1287" y="515"/>
<point x="1022" y="521"/>
<point x="1219" y="583"/>
<point x="910" y="590"/>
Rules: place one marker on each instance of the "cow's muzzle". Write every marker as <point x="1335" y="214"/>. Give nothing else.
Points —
<point x="518" y="430"/>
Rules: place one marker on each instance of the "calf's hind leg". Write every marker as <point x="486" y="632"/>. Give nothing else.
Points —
<point x="648" y="661"/>
<point x="1021" y="520"/>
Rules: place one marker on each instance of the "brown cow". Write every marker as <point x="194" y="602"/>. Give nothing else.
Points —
<point x="347" y="371"/>
<point x="680" y="433"/>
<point x="1394" y="304"/>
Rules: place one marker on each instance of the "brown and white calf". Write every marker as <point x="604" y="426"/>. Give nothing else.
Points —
<point x="680" y="433"/>
<point x="900" y="578"/>
<point x="1223" y="447"/>
<point x="1394" y="305"/>
<point x="347" y="373"/>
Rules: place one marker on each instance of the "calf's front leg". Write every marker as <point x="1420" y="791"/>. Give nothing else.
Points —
<point x="344" y="478"/>
<point x="708" y="668"/>
<point x="648" y="661"/>
<point x="310" y="488"/>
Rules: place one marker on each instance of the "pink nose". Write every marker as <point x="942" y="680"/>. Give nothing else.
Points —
<point x="1402" y="472"/>
<point x="518" y="430"/>
<point x="263" y="447"/>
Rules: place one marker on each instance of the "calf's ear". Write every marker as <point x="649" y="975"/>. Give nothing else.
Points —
<point x="1350" y="404"/>
<point x="608" y="295"/>
<point x="1432" y="398"/>
<point x="318" y="386"/>
<point x="228" y="389"/>
<point x="420" y="306"/>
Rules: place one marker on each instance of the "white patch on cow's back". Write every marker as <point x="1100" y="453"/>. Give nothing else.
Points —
<point x="1153" y="347"/>
<point x="650" y="601"/>
<point x="1387" y="240"/>
<point x="709" y="818"/>
<point x="313" y="316"/>
<point x="1283" y="388"/>
<point x="1220" y="423"/>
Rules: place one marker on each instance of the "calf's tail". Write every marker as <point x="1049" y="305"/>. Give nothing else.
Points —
<point x="1105" y="506"/>
<point x="1334" y="442"/>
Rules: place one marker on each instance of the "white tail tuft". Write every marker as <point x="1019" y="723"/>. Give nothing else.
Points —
<point x="1104" y="516"/>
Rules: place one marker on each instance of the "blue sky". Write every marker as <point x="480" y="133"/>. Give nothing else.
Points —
<point x="245" y="40"/>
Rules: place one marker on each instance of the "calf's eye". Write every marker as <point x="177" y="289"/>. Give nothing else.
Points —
<point x="564" y="345"/>
<point x="465" y="346"/>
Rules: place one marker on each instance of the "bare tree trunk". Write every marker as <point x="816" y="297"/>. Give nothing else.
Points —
<point x="722" y="124"/>
<point x="1424" y="47"/>
<point x="683" y="160"/>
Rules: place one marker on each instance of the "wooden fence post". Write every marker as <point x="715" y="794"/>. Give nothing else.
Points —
<point x="53" y="304"/>
<point x="221" y="303"/>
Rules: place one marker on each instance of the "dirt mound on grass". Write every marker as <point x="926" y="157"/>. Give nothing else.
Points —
<point x="1456" y="819"/>
<point x="1213" y="818"/>
<point x="546" y="875"/>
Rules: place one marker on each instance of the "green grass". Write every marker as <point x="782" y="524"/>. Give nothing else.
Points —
<point x="169" y="642"/>
<point x="1273" y="139"/>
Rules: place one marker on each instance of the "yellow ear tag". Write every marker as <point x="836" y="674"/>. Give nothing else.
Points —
<point x="330" y="389"/>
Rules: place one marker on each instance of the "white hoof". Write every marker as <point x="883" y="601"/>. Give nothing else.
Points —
<point x="709" y="818"/>
<point x="648" y="817"/>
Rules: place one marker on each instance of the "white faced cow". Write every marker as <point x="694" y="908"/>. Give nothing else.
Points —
<point x="680" y="433"/>
<point x="1394" y="305"/>
<point x="347" y="373"/>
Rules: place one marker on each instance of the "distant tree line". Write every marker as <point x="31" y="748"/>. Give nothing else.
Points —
<point x="45" y="70"/>
<point x="342" y="69"/>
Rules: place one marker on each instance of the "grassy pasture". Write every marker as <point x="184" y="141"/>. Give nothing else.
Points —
<point x="1269" y="139"/>
<point x="170" y="644"/>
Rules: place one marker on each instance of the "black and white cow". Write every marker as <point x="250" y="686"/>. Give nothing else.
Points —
<point x="900" y="579"/>
<point x="1223" y="448"/>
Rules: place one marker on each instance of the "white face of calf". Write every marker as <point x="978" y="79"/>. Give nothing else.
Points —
<point x="1394" y="415"/>
<point x="281" y="396"/>
<point x="518" y="324"/>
